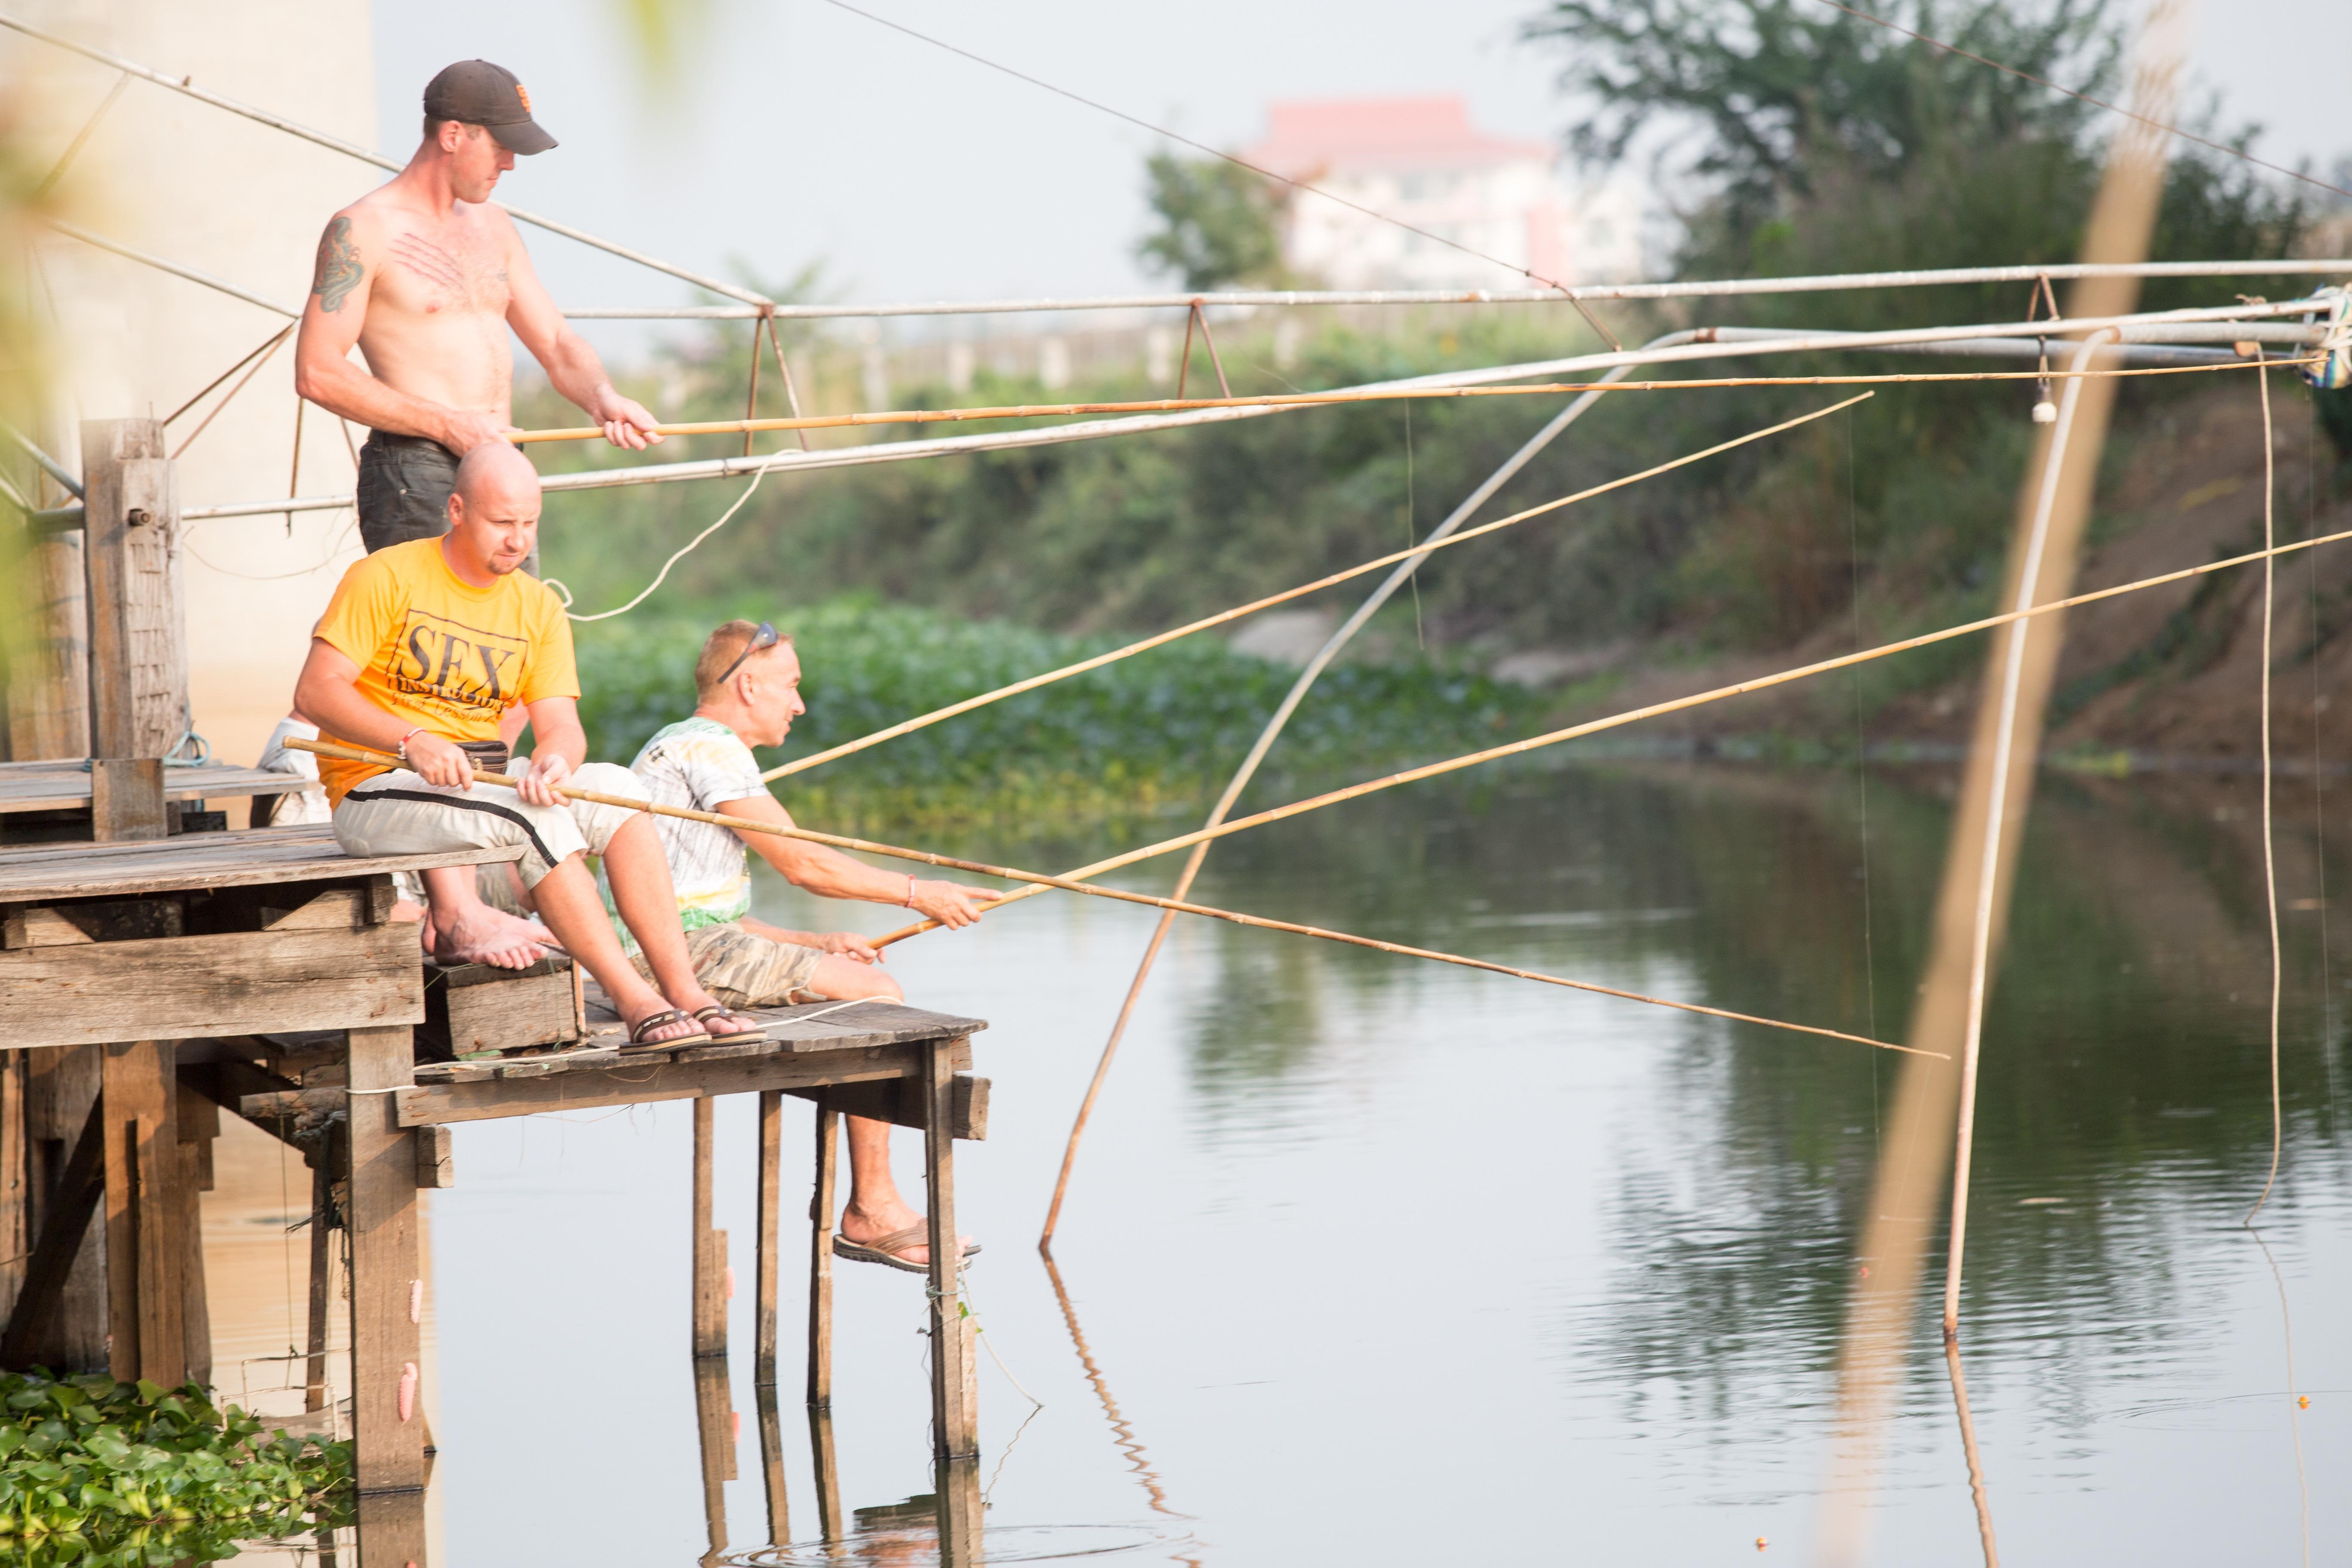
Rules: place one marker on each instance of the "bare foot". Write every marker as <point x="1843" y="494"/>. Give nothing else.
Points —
<point x="480" y="935"/>
<point x="865" y="1228"/>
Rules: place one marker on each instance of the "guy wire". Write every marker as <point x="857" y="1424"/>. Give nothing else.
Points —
<point x="2270" y="858"/>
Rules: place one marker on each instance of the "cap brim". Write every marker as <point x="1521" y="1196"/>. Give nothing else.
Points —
<point x="523" y="138"/>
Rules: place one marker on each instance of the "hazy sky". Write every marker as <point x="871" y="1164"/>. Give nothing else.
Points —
<point x="803" y="133"/>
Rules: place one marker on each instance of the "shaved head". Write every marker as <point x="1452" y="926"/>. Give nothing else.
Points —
<point x="493" y="512"/>
<point x="496" y="467"/>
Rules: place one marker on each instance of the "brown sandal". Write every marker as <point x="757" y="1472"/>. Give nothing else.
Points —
<point x="662" y="1020"/>
<point x="725" y="1014"/>
<point x="884" y="1250"/>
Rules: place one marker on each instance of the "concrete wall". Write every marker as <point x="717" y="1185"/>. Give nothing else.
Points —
<point x="236" y="199"/>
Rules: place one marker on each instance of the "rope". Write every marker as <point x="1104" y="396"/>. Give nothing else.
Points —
<point x="2270" y="858"/>
<point x="1416" y="554"/>
<point x="675" y="558"/>
<point x="2166" y="126"/>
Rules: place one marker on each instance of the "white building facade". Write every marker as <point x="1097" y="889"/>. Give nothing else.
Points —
<point x="1420" y="161"/>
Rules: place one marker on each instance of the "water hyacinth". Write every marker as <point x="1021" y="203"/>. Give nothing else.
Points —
<point x="100" y="1474"/>
<point x="1163" y="729"/>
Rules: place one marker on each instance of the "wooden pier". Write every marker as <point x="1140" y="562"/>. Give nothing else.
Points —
<point x="157" y="970"/>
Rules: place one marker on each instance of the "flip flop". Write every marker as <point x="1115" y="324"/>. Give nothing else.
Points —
<point x="652" y="1021"/>
<point x="884" y="1250"/>
<point x="704" y="1015"/>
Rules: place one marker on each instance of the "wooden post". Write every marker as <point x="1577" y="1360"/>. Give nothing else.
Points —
<point x="387" y="1273"/>
<point x="49" y="652"/>
<point x="17" y="1231"/>
<point x="131" y="556"/>
<point x="199" y="1124"/>
<point x="828" y="1458"/>
<point x="709" y="1245"/>
<point x="79" y="1188"/>
<point x="143" y="1212"/>
<point x="60" y="1092"/>
<point x="772" y="1174"/>
<point x="715" y="1432"/>
<point x="821" y="1211"/>
<point x="771" y="1464"/>
<point x="392" y="1529"/>
<point x="955" y="1410"/>
<point x="322" y="1266"/>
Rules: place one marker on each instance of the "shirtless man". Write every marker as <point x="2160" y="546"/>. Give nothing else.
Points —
<point x="424" y="276"/>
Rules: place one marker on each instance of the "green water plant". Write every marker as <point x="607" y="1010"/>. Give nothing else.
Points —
<point x="1158" y="730"/>
<point x="100" y="1474"/>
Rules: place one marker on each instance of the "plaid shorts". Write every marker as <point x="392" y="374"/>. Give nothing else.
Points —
<point x="744" y="970"/>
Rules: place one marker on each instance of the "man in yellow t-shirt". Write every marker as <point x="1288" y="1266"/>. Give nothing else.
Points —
<point x="423" y="649"/>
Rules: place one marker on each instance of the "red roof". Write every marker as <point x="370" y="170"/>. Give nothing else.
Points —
<point x="1381" y="132"/>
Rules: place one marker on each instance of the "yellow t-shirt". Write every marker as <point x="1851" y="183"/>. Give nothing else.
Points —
<point x="433" y="649"/>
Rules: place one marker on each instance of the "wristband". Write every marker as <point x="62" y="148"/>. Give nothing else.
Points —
<point x="910" y="892"/>
<point x="403" y="743"/>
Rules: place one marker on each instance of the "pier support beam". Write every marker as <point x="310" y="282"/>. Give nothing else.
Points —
<point x="387" y="1273"/>
<point x="146" y="1213"/>
<point x="955" y="1408"/>
<point x="710" y="1284"/>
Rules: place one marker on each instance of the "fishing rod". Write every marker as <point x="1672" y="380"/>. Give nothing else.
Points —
<point x="1039" y="882"/>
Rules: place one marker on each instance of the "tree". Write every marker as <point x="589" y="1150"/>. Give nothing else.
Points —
<point x="1219" y="224"/>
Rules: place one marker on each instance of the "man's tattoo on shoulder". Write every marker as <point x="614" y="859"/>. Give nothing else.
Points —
<point x="339" y="266"/>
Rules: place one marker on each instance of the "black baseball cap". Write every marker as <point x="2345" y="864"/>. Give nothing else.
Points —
<point x="476" y="92"/>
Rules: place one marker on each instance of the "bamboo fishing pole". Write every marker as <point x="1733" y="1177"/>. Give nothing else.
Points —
<point x="1040" y="882"/>
<point x="1616" y="721"/>
<point x="923" y="721"/>
<point x="1316" y="399"/>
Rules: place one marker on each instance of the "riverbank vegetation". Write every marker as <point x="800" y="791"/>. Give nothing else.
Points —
<point x="1885" y="520"/>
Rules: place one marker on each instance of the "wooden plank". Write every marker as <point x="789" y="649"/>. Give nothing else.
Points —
<point x="80" y="1187"/>
<point x="62" y="785"/>
<point x="142" y="1213"/>
<point x="956" y="1497"/>
<point x="437" y="1159"/>
<point x="901" y="1103"/>
<point x="130" y="562"/>
<point x="40" y="873"/>
<point x="193" y="1158"/>
<point x="955" y="1415"/>
<point x="392" y="1525"/>
<point x="386" y="1268"/>
<point x="709" y="1307"/>
<point x="329" y="908"/>
<point x="633" y="1084"/>
<point x="40" y="926"/>
<point x="765" y="1245"/>
<point x="822" y="1211"/>
<point x="126" y="800"/>
<point x="245" y="983"/>
<point x="477" y="1007"/>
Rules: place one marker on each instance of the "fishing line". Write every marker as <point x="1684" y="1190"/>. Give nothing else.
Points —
<point x="1862" y="772"/>
<point x="2270" y="858"/>
<point x="681" y="552"/>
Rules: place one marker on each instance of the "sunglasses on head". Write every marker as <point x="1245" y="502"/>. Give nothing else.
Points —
<point x="765" y="637"/>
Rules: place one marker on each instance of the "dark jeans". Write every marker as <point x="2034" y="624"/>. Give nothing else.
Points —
<point x="403" y="491"/>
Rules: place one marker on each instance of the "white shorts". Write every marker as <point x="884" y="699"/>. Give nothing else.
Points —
<point x="399" y="814"/>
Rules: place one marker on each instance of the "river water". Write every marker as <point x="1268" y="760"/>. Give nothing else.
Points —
<point x="1386" y="1262"/>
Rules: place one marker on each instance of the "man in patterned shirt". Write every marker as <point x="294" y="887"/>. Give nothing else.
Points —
<point x="747" y="691"/>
